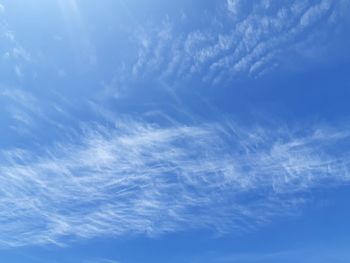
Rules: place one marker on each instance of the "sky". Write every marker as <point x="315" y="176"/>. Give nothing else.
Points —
<point x="174" y="131"/>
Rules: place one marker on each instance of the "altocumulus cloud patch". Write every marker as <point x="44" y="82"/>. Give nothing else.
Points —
<point x="246" y="38"/>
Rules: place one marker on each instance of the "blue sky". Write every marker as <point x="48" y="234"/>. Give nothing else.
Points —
<point x="174" y="131"/>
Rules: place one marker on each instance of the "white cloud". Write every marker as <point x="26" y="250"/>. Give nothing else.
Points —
<point x="18" y="71"/>
<point x="254" y="40"/>
<point x="78" y="34"/>
<point x="233" y="6"/>
<point x="140" y="178"/>
<point x="102" y="260"/>
<point x="20" y="99"/>
<point x="13" y="54"/>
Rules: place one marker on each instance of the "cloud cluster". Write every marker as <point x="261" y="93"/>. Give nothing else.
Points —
<point x="142" y="178"/>
<point x="138" y="177"/>
<point x="248" y="37"/>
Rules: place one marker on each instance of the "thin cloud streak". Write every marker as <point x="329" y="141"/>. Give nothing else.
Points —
<point x="14" y="57"/>
<point x="141" y="178"/>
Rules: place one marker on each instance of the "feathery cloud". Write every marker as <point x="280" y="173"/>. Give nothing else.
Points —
<point x="141" y="178"/>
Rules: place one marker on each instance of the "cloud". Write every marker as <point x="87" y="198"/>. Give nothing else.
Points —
<point x="20" y="106"/>
<point x="102" y="260"/>
<point x="13" y="55"/>
<point x="135" y="177"/>
<point x="233" y="6"/>
<point x="75" y="26"/>
<point x="142" y="178"/>
<point x="246" y="39"/>
<point x="25" y="113"/>
<point x="313" y="253"/>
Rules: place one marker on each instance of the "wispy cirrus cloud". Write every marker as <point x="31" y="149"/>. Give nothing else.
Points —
<point x="141" y="178"/>
<point x="13" y="55"/>
<point x="23" y="112"/>
<point x="314" y="253"/>
<point x="74" y="24"/>
<point x="102" y="260"/>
